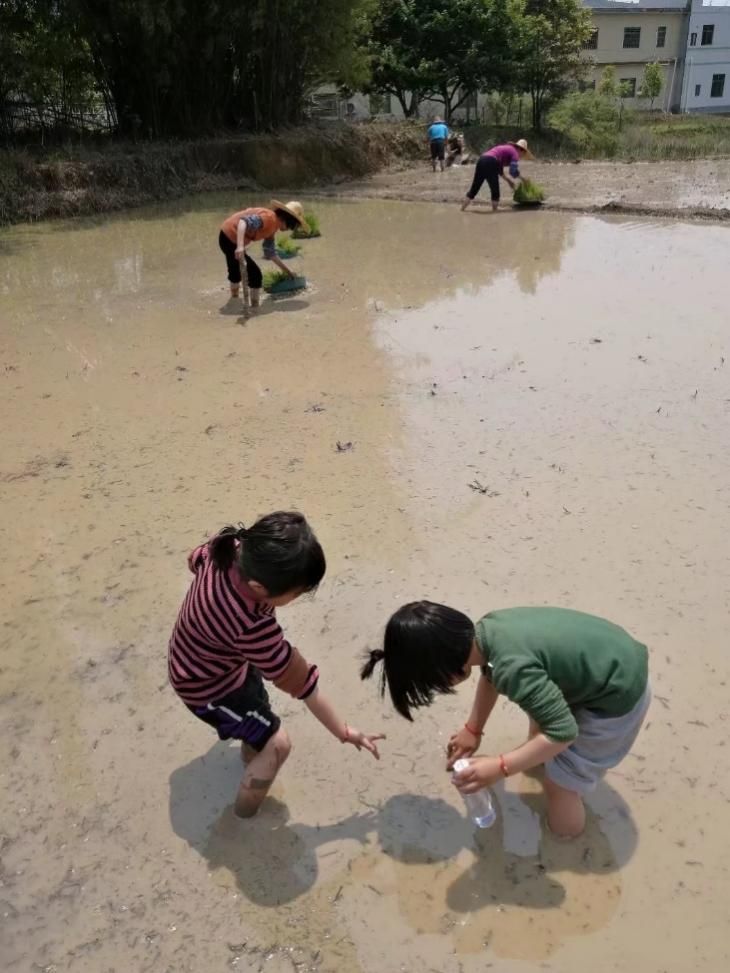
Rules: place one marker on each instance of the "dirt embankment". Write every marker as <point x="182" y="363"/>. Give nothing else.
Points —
<point x="382" y="161"/>
<point x="695" y="190"/>
<point x="87" y="182"/>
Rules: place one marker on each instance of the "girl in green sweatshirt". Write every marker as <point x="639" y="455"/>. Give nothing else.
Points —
<point x="582" y="681"/>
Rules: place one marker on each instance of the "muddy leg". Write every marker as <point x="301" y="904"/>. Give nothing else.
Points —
<point x="247" y="753"/>
<point x="244" y="283"/>
<point x="566" y="812"/>
<point x="260" y="774"/>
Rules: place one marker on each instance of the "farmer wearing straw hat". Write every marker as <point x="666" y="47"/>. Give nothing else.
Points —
<point x="246" y="227"/>
<point x="491" y="165"/>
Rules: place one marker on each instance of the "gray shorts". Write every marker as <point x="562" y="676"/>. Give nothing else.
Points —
<point x="602" y="742"/>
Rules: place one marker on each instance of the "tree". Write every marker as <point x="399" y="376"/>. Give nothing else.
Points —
<point x="608" y="86"/>
<point x="553" y="33"/>
<point x="45" y="65"/>
<point x="614" y="91"/>
<point x="394" y="49"/>
<point x="652" y="83"/>
<point x="189" y="67"/>
<point x="441" y="49"/>
<point x="468" y="47"/>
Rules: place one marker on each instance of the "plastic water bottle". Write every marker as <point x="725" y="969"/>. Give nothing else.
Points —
<point x="478" y="805"/>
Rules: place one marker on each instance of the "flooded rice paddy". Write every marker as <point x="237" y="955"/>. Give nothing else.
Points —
<point x="538" y="408"/>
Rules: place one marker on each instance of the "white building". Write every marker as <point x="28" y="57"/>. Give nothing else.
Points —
<point x="327" y="104"/>
<point x="690" y="39"/>
<point x="706" y="82"/>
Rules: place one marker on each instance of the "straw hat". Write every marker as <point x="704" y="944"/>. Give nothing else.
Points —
<point x="522" y="144"/>
<point x="294" y="209"/>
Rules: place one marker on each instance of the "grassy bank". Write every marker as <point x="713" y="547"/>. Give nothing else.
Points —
<point x="80" y="181"/>
<point x="643" y="137"/>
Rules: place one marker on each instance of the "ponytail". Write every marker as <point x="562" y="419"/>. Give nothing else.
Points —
<point x="280" y="552"/>
<point x="426" y="649"/>
<point x="223" y="546"/>
<point x="373" y="658"/>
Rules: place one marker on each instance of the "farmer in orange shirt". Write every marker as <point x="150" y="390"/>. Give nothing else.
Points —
<point x="246" y="227"/>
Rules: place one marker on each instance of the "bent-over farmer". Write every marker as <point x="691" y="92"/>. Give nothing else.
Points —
<point x="247" y="226"/>
<point x="490" y="168"/>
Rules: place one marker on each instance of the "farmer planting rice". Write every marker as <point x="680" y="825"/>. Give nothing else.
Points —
<point x="491" y="167"/>
<point x="247" y="226"/>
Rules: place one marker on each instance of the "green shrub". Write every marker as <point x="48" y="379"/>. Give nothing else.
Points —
<point x="528" y="192"/>
<point x="590" y="121"/>
<point x="313" y="223"/>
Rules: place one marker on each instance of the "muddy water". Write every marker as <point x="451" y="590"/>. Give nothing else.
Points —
<point x="538" y="407"/>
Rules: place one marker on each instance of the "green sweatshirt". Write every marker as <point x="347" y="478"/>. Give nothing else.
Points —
<point x="552" y="661"/>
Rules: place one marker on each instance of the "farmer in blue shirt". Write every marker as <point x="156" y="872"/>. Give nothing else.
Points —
<point x="437" y="135"/>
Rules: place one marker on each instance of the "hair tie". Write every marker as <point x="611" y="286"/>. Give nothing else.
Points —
<point x="377" y="655"/>
<point x="240" y="532"/>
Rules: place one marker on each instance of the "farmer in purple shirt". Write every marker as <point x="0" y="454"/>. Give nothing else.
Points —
<point x="491" y="166"/>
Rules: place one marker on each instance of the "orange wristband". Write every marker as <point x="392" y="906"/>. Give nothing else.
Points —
<point x="503" y="766"/>
<point x="474" y="733"/>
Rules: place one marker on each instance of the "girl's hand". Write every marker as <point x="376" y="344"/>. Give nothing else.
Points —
<point x="367" y="740"/>
<point x="481" y="772"/>
<point x="239" y="253"/>
<point x="462" y="744"/>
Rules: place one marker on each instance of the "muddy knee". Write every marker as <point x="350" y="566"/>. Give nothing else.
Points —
<point x="281" y="744"/>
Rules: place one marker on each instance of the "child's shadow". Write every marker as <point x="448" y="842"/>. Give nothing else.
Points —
<point x="275" y="862"/>
<point x="422" y="831"/>
<point x="272" y="862"/>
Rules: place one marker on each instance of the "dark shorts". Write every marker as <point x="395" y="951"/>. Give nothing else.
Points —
<point x="244" y="715"/>
<point x="255" y="277"/>
<point x="437" y="148"/>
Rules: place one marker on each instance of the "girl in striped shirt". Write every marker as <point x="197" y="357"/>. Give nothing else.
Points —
<point x="226" y="638"/>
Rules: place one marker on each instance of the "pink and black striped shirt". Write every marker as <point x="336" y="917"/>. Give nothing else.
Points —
<point x="221" y="630"/>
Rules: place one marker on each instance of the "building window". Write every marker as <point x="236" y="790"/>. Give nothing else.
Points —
<point x="325" y="105"/>
<point x="592" y="43"/>
<point x="698" y="90"/>
<point x="718" y="86"/>
<point x="661" y="36"/>
<point x="693" y="39"/>
<point x="632" y="36"/>
<point x="628" y="87"/>
<point x="708" y="34"/>
<point x="380" y="104"/>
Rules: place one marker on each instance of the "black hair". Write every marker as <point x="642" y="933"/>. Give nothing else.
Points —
<point x="280" y="551"/>
<point x="291" y="221"/>
<point x="425" y="649"/>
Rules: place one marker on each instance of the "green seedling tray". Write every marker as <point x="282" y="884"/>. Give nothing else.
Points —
<point x="287" y="286"/>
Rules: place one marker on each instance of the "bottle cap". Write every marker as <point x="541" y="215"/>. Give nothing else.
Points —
<point x="462" y="764"/>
